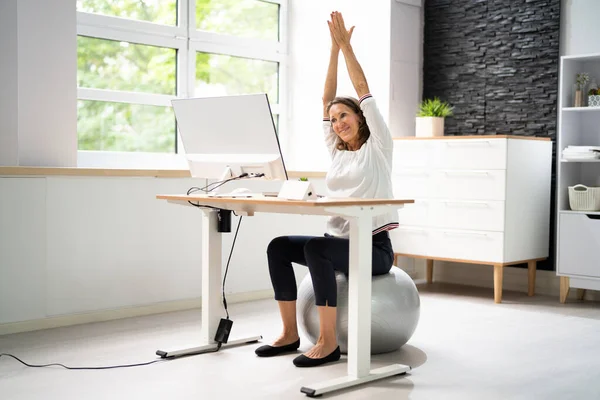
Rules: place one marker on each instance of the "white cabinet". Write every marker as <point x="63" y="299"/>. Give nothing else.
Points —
<point x="478" y="199"/>
<point x="580" y="243"/>
<point x="578" y="232"/>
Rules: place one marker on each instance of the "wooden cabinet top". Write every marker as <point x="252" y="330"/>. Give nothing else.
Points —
<point x="484" y="137"/>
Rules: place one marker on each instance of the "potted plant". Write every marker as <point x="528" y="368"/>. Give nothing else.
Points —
<point x="430" y="117"/>
<point x="580" y="80"/>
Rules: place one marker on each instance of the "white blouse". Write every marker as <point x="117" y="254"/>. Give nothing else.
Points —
<point x="364" y="173"/>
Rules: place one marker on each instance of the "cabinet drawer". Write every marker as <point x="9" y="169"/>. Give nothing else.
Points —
<point x="412" y="183"/>
<point x="579" y="245"/>
<point x="469" y="184"/>
<point x="467" y="214"/>
<point x="413" y="154"/>
<point x="410" y="240"/>
<point x="471" y="154"/>
<point x="415" y="214"/>
<point x="467" y="245"/>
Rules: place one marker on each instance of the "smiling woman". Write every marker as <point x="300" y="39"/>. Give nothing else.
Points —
<point x="361" y="148"/>
<point x="348" y="122"/>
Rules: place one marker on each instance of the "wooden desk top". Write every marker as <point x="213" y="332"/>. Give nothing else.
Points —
<point x="249" y="206"/>
<point x="275" y="201"/>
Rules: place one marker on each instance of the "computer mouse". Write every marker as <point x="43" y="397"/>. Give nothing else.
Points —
<point x="241" y="191"/>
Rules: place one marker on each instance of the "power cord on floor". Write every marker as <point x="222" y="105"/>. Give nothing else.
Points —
<point x="219" y="344"/>
<point x="79" y="368"/>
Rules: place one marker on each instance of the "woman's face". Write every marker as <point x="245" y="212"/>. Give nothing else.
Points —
<point x="345" y="122"/>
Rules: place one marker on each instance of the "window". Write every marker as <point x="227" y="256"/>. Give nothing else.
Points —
<point x="135" y="56"/>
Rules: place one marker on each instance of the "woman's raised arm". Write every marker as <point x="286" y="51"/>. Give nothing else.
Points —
<point x="342" y="38"/>
<point x="332" y="70"/>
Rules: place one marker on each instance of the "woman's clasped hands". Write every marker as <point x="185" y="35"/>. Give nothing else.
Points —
<point x="340" y="37"/>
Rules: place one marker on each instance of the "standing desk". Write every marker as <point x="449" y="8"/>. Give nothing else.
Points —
<point x="359" y="212"/>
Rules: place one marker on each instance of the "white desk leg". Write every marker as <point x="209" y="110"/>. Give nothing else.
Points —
<point x="359" y="298"/>
<point x="212" y="309"/>
<point x="359" y="316"/>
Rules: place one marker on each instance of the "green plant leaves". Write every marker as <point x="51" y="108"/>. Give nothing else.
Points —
<point x="434" y="108"/>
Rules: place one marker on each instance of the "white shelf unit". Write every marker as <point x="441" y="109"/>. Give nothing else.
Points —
<point x="578" y="232"/>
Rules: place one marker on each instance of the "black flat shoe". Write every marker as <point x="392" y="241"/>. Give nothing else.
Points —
<point x="303" y="361"/>
<point x="270" y="351"/>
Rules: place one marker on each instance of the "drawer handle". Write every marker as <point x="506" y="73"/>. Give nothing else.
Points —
<point x="475" y="143"/>
<point x="467" y="203"/>
<point x="413" y="173"/>
<point x="465" y="234"/>
<point x="593" y="216"/>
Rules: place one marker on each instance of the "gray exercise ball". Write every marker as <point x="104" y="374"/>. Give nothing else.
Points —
<point x="395" y="310"/>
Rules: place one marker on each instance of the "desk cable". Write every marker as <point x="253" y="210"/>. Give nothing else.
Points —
<point x="78" y="368"/>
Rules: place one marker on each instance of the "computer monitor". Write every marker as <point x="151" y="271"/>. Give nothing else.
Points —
<point x="227" y="136"/>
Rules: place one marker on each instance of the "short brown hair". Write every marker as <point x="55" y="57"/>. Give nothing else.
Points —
<point x="363" y="128"/>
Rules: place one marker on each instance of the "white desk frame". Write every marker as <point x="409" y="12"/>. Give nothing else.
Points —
<point x="360" y="212"/>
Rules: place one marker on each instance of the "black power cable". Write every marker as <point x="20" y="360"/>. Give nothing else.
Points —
<point x="227" y="267"/>
<point x="79" y="368"/>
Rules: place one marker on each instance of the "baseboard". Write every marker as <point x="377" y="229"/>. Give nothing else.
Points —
<point x="126" y="312"/>
<point x="514" y="279"/>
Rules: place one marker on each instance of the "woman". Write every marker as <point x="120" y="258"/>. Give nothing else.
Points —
<point x="360" y="145"/>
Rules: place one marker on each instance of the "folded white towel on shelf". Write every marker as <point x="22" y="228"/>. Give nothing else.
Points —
<point x="581" y="153"/>
<point x="581" y="149"/>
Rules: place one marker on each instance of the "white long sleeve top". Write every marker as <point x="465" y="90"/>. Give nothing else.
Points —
<point x="364" y="173"/>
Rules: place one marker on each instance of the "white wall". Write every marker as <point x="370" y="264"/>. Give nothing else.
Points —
<point x="39" y="102"/>
<point x="39" y="38"/>
<point x="71" y="245"/>
<point x="47" y="83"/>
<point x="22" y="249"/>
<point x="9" y="150"/>
<point x="406" y="65"/>
<point x="580" y="29"/>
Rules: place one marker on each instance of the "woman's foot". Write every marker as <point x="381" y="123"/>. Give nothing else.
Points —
<point x="321" y="350"/>
<point x="283" y="344"/>
<point x="285" y="339"/>
<point x="319" y="355"/>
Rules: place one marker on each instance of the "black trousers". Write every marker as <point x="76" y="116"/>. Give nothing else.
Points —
<point x="323" y="256"/>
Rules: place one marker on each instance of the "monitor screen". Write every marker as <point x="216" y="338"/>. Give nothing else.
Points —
<point x="235" y="133"/>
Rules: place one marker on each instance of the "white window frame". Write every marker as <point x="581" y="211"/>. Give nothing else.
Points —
<point x="187" y="40"/>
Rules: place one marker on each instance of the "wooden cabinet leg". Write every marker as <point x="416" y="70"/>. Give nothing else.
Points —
<point x="531" y="267"/>
<point x="564" y="288"/>
<point x="498" y="275"/>
<point x="429" y="271"/>
<point x="580" y="294"/>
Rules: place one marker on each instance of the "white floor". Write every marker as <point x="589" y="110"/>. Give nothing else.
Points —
<point x="465" y="347"/>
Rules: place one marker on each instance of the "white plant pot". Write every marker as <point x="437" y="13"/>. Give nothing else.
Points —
<point x="429" y="126"/>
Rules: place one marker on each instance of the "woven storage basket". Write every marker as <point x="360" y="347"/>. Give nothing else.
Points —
<point x="583" y="198"/>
